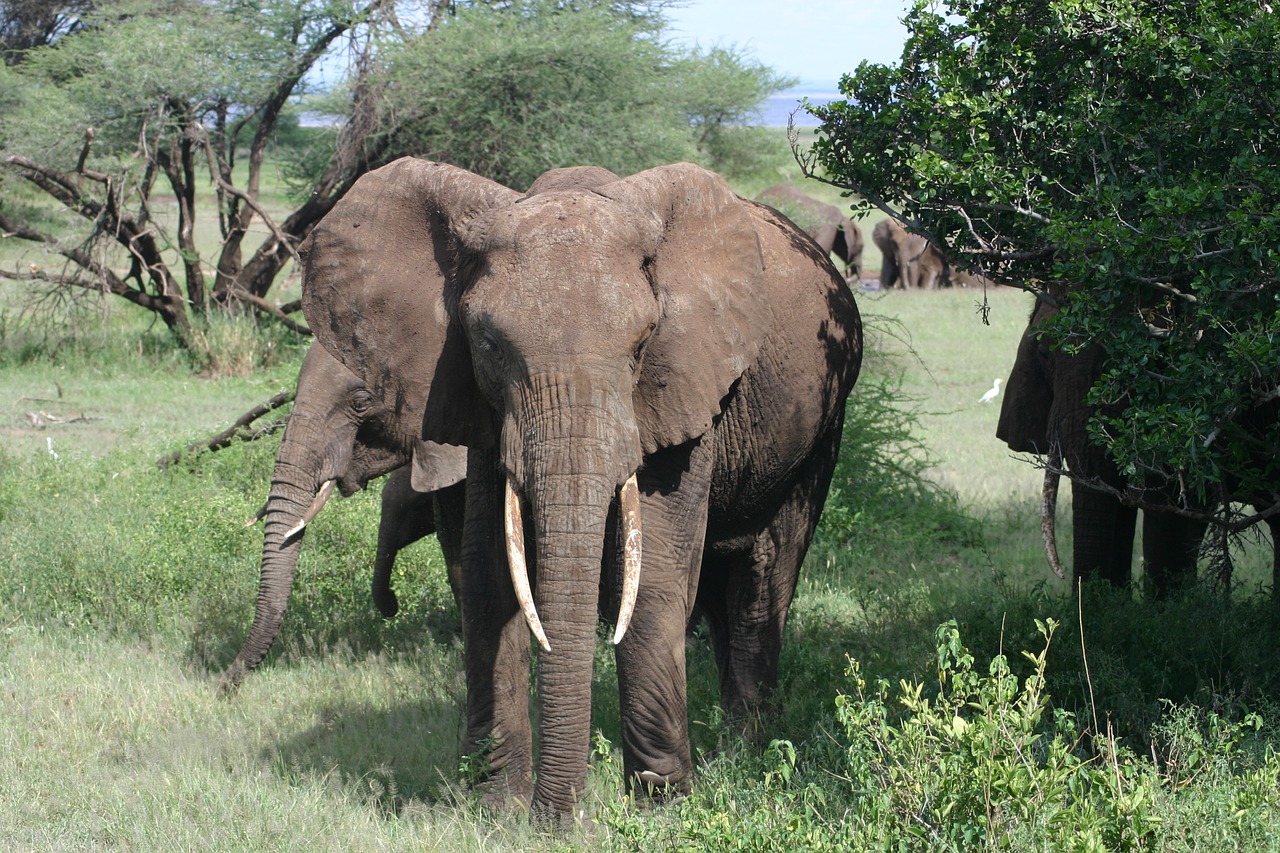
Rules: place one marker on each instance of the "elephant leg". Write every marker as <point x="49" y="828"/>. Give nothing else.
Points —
<point x="496" y="645"/>
<point x="1170" y="550"/>
<point x="652" y="683"/>
<point x="749" y="582"/>
<point x="407" y="516"/>
<point x="1104" y="530"/>
<point x="450" y="517"/>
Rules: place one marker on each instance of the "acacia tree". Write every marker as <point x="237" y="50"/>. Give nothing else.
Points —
<point x="150" y="95"/>
<point x="154" y="97"/>
<point x="26" y="24"/>
<point x="1122" y="155"/>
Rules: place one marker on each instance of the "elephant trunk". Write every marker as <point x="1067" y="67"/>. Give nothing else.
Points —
<point x="572" y="474"/>
<point x="569" y="512"/>
<point x="1049" y="511"/>
<point x="293" y="500"/>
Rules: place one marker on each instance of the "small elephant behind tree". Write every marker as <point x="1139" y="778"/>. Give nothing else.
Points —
<point x="831" y="229"/>
<point x="908" y="260"/>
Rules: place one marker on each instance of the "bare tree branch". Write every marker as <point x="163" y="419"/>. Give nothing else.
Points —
<point x="237" y="429"/>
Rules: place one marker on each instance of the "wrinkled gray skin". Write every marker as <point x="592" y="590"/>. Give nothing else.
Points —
<point x="1044" y="410"/>
<point x="338" y="431"/>
<point x="656" y="326"/>
<point x="831" y="229"/>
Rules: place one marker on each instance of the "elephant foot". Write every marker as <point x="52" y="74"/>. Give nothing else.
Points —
<point x="503" y="780"/>
<point x="498" y="794"/>
<point x="648" y="786"/>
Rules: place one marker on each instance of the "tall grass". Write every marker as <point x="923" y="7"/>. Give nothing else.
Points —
<point x="126" y="588"/>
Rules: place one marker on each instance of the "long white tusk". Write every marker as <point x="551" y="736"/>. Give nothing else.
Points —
<point x="316" y="505"/>
<point x="514" y="524"/>
<point x="629" y="501"/>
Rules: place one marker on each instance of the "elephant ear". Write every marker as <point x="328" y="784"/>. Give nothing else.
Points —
<point x="437" y="466"/>
<point x="379" y="285"/>
<point x="707" y="270"/>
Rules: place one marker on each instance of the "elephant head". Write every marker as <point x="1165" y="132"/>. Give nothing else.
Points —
<point x="339" y="434"/>
<point x="566" y="337"/>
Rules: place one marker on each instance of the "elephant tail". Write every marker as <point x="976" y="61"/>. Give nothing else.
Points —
<point x="1049" y="510"/>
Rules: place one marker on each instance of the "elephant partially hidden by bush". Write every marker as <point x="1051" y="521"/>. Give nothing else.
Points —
<point x="831" y="229"/>
<point x="646" y="363"/>
<point x="1045" y="410"/>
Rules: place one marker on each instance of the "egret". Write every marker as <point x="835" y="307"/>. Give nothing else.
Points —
<point x="991" y="394"/>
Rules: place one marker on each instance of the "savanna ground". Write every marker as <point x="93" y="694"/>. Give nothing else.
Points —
<point x="128" y="587"/>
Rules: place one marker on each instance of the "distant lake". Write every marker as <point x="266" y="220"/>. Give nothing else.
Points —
<point x="773" y="112"/>
<point x="777" y="108"/>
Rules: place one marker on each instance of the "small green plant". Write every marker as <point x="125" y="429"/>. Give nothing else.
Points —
<point x="474" y="766"/>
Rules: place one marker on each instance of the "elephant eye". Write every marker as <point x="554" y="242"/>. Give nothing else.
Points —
<point x="638" y="353"/>
<point x="361" y="402"/>
<point x="486" y="341"/>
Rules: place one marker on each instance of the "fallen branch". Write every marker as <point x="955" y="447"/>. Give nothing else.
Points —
<point x="239" y="429"/>
<point x="41" y="419"/>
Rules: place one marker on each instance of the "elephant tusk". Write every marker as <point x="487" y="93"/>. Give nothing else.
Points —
<point x="1049" y="511"/>
<point x="514" y="525"/>
<point x="322" y="495"/>
<point x="629" y="500"/>
<point x="257" y="516"/>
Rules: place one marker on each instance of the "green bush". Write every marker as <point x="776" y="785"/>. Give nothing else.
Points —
<point x="977" y="760"/>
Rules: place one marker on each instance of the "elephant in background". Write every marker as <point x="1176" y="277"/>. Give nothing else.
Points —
<point x="339" y="434"/>
<point x="908" y="260"/>
<point x="831" y="229"/>
<point x="648" y="364"/>
<point x="1045" y="411"/>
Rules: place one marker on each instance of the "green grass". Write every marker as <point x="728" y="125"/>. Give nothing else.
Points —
<point x="126" y="588"/>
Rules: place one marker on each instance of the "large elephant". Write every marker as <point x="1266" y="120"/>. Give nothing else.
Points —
<point x="831" y="229"/>
<point x="1045" y="410"/>
<point x="340" y="434"/>
<point x="651" y="363"/>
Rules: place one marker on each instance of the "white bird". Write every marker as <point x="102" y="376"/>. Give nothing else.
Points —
<point x="991" y="394"/>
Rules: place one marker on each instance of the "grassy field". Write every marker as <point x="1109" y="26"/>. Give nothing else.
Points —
<point x="127" y="588"/>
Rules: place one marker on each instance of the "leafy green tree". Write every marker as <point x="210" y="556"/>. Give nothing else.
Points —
<point x="512" y="90"/>
<point x="720" y="94"/>
<point x="1118" y="157"/>
<point x="27" y="24"/>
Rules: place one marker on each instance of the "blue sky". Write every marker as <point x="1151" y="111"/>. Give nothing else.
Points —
<point x="815" y="41"/>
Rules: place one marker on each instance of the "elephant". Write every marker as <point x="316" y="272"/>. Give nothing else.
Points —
<point x="648" y="372"/>
<point x="908" y="260"/>
<point x="339" y="434"/>
<point x="1045" y="411"/>
<point x="835" y="232"/>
